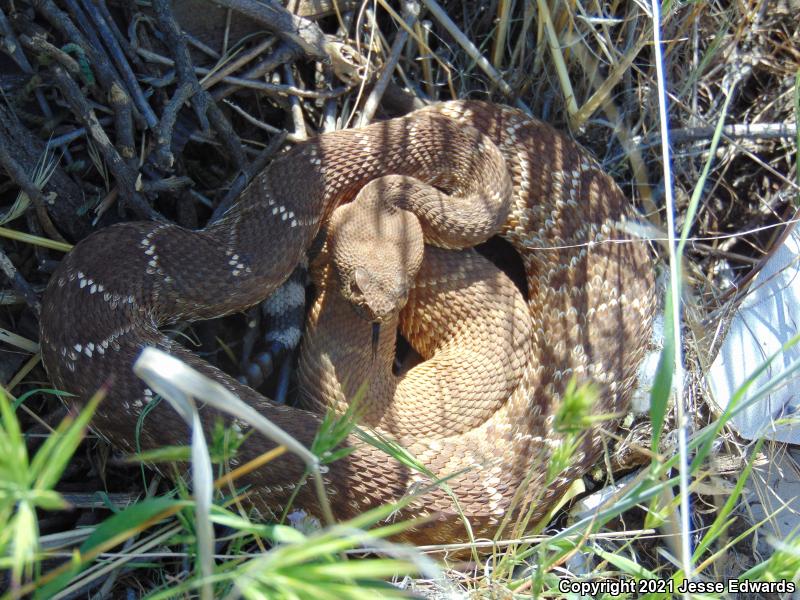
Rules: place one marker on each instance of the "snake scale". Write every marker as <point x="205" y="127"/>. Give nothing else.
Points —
<point x="589" y="308"/>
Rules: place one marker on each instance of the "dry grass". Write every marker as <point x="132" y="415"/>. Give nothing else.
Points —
<point x="586" y="67"/>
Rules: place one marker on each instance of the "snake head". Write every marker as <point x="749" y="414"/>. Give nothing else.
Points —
<point x="376" y="253"/>
<point x="375" y="295"/>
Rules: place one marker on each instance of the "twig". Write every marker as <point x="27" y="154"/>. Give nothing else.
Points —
<point x="121" y="62"/>
<point x="204" y="48"/>
<point x="607" y="82"/>
<point x="70" y="137"/>
<point x="329" y="110"/>
<point x="40" y="45"/>
<point x="11" y="297"/>
<point x="315" y="9"/>
<point x="61" y="21"/>
<point x="411" y="12"/>
<point x="297" y="30"/>
<point x="282" y="90"/>
<point x="123" y="174"/>
<point x="734" y="256"/>
<point x="300" y="131"/>
<point x="260" y="124"/>
<point x="197" y="196"/>
<point x="558" y="58"/>
<point x="176" y="42"/>
<point x="96" y="53"/>
<point x="28" y="150"/>
<point x="20" y="177"/>
<point x="163" y="152"/>
<point x="18" y="56"/>
<point x="284" y="53"/>
<point x="472" y="51"/>
<point x="130" y="53"/>
<point x="503" y="24"/>
<point x="633" y="152"/>
<point x="518" y="56"/>
<point x="423" y="30"/>
<point x="248" y="81"/>
<point x="764" y="131"/>
<point x="238" y="62"/>
<point x="22" y="287"/>
<point x="27" y="238"/>
<point x="11" y="45"/>
<point x="169" y="184"/>
<point x="205" y="107"/>
<point x="227" y="35"/>
<point x="106" y="203"/>
<point x="123" y="123"/>
<point x="99" y="62"/>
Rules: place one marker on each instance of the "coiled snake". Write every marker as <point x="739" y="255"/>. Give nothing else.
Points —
<point x="589" y="308"/>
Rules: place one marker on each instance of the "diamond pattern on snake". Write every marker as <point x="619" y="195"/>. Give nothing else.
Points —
<point x="497" y="364"/>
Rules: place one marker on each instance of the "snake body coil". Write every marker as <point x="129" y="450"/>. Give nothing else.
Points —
<point x="589" y="305"/>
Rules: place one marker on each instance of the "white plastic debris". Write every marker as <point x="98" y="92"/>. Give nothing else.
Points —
<point x="774" y="495"/>
<point x="645" y="377"/>
<point x="767" y="318"/>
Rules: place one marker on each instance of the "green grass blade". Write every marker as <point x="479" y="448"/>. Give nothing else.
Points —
<point x="112" y="532"/>
<point x="56" y="452"/>
<point x="662" y="384"/>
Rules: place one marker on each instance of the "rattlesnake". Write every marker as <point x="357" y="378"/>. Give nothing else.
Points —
<point x="464" y="316"/>
<point x="590" y="303"/>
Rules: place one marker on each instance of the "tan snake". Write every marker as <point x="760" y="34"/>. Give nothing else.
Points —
<point x="590" y="304"/>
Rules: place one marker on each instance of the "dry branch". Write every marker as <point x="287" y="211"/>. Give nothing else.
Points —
<point x="19" y="283"/>
<point x="297" y="30"/>
<point x="123" y="174"/>
<point x="27" y="150"/>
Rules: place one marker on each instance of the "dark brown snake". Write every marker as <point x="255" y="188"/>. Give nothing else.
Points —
<point x="590" y="303"/>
